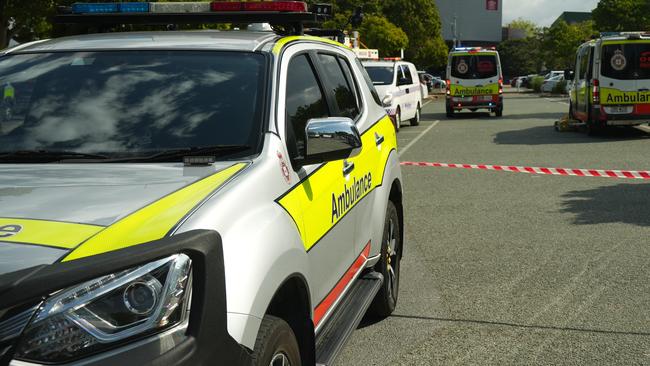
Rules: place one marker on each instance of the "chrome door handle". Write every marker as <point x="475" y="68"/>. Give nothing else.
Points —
<point x="379" y="139"/>
<point x="348" y="167"/>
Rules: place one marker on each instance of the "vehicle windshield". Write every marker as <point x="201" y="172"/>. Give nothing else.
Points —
<point x="381" y="75"/>
<point x="627" y="61"/>
<point x="469" y="67"/>
<point x="125" y="104"/>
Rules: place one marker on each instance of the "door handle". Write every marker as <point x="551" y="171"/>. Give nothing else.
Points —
<point x="348" y="167"/>
<point x="379" y="139"/>
<point x="407" y="90"/>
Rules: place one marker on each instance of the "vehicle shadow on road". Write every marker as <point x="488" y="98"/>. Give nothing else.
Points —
<point x="623" y="203"/>
<point x="546" y="135"/>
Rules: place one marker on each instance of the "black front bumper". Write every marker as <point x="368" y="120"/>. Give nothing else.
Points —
<point x="205" y="340"/>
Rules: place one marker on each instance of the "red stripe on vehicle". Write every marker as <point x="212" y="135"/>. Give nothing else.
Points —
<point x="337" y="291"/>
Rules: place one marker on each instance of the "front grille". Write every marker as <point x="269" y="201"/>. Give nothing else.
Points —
<point x="12" y="325"/>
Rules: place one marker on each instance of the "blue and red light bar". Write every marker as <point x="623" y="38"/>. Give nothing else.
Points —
<point x="190" y="7"/>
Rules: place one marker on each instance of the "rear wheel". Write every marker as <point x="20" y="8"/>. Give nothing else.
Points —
<point x="276" y="344"/>
<point x="499" y="112"/>
<point x="389" y="265"/>
<point x="415" y="121"/>
<point x="450" y="112"/>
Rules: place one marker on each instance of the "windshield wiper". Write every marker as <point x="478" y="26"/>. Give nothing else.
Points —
<point x="182" y="153"/>
<point x="45" y="156"/>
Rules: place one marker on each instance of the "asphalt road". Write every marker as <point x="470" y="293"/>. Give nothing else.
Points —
<point x="507" y="268"/>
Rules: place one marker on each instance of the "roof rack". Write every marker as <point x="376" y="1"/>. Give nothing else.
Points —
<point x="292" y="14"/>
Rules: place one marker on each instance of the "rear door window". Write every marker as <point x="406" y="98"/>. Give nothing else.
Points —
<point x="340" y="86"/>
<point x="305" y="100"/>
<point x="630" y="61"/>
<point x="470" y="67"/>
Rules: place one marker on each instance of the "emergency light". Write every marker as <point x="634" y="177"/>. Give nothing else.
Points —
<point x="190" y="7"/>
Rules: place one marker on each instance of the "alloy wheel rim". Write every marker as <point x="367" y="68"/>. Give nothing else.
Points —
<point x="392" y="260"/>
<point x="280" y="359"/>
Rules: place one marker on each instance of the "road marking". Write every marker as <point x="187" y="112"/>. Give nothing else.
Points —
<point x="619" y="174"/>
<point x="417" y="138"/>
<point x="556" y="101"/>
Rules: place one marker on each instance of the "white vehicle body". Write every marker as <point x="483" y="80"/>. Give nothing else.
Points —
<point x="399" y="82"/>
<point x="549" y="85"/>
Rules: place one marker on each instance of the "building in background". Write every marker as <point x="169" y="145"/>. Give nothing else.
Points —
<point x="472" y="22"/>
<point x="574" y="17"/>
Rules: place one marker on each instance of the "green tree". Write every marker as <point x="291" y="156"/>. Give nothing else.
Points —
<point x="420" y="21"/>
<point x="529" y="28"/>
<point x="622" y="15"/>
<point x="520" y="56"/>
<point x="377" y="32"/>
<point x="561" y="41"/>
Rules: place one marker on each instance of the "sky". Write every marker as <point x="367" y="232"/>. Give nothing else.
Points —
<point x="542" y="12"/>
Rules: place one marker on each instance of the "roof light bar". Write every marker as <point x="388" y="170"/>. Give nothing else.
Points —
<point x="280" y="6"/>
<point x="189" y="7"/>
<point x="85" y="8"/>
<point x="104" y="8"/>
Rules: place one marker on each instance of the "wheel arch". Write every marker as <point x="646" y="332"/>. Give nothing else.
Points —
<point x="292" y="303"/>
<point x="395" y="196"/>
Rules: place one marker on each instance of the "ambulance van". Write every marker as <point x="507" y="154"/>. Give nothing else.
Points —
<point x="475" y="81"/>
<point x="611" y="81"/>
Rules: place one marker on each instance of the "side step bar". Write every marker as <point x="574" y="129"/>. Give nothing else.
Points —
<point x="335" y="333"/>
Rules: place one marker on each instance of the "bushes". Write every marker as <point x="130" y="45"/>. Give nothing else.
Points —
<point x="560" y="88"/>
<point x="536" y="83"/>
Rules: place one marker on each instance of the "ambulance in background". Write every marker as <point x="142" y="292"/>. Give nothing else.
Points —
<point x="610" y="84"/>
<point x="475" y="81"/>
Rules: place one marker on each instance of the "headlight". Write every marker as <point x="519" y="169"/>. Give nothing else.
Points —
<point x="98" y="314"/>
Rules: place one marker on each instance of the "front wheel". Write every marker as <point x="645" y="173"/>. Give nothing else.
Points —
<point x="276" y="344"/>
<point x="415" y="121"/>
<point x="389" y="265"/>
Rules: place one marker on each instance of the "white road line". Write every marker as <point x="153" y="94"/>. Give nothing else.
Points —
<point x="556" y="101"/>
<point x="402" y="151"/>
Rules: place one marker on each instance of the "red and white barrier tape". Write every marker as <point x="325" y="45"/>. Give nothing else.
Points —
<point x="620" y="174"/>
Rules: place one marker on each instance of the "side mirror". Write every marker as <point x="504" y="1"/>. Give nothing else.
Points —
<point x="387" y="101"/>
<point x="568" y="74"/>
<point x="330" y="139"/>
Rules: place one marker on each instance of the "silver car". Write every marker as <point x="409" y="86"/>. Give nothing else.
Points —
<point x="193" y="198"/>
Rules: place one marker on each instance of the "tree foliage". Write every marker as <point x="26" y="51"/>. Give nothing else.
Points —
<point x="521" y="56"/>
<point x="377" y="32"/>
<point x="420" y="20"/>
<point x="529" y="28"/>
<point x="561" y="41"/>
<point x="622" y="15"/>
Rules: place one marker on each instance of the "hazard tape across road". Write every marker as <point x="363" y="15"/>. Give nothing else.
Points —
<point x="619" y="174"/>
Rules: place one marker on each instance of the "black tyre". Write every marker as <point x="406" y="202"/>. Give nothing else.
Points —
<point x="499" y="112"/>
<point x="450" y="112"/>
<point x="276" y="344"/>
<point x="398" y="119"/>
<point x="389" y="265"/>
<point x="415" y="121"/>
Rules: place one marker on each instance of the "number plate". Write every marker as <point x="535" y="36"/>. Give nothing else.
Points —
<point x="619" y="109"/>
<point x="486" y="98"/>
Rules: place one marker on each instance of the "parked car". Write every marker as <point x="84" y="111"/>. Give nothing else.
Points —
<point x="439" y="83"/>
<point x="549" y="85"/>
<point x="551" y="74"/>
<point x="426" y="79"/>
